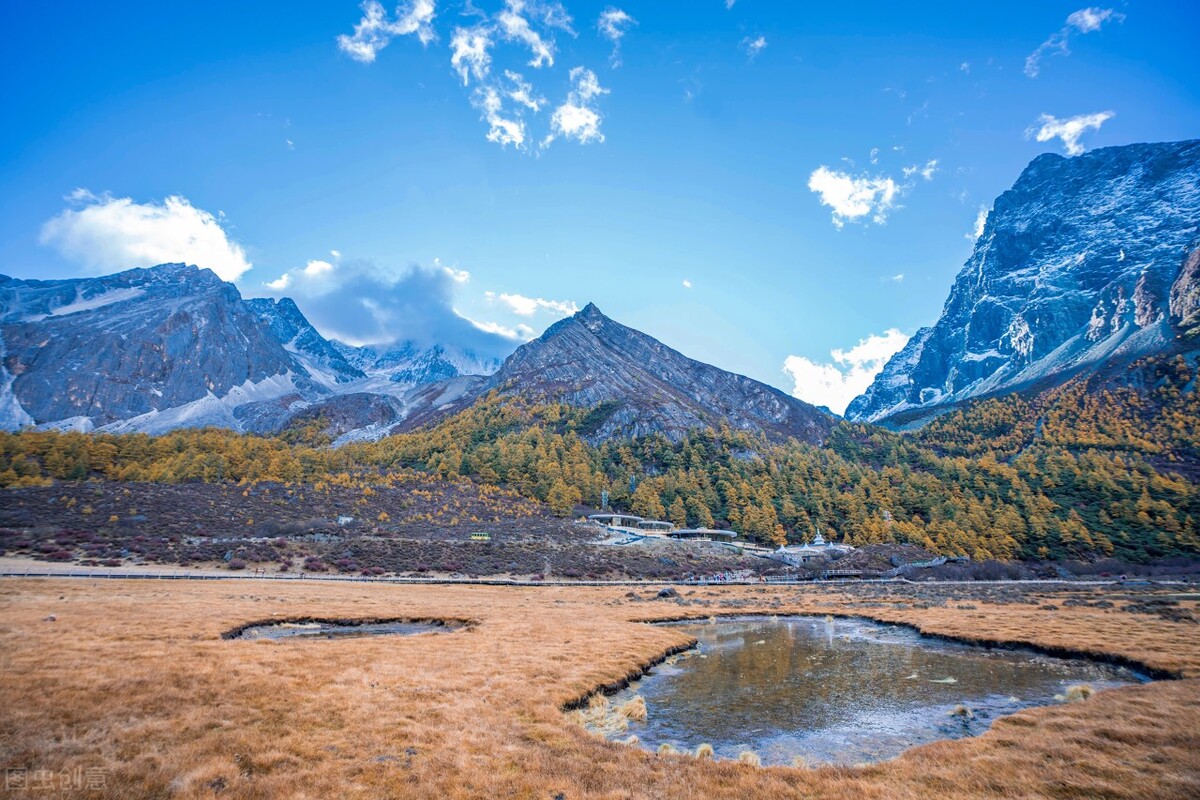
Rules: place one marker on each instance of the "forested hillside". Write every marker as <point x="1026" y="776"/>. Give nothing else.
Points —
<point x="1087" y="469"/>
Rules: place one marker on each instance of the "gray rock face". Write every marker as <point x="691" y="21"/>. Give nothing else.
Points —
<point x="290" y="327"/>
<point x="1075" y="268"/>
<point x="1185" y="296"/>
<point x="645" y="387"/>
<point x="100" y="350"/>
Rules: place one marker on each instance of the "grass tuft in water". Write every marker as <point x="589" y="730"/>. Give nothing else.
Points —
<point x="1079" y="692"/>
<point x="749" y="757"/>
<point x="634" y="709"/>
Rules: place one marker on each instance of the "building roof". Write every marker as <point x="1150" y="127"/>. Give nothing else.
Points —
<point x="700" y="533"/>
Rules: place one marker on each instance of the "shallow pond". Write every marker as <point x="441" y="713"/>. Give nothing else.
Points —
<point x="836" y="691"/>
<point x="332" y="629"/>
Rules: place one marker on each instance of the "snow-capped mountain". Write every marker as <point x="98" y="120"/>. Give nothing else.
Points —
<point x="91" y="352"/>
<point x="1081" y="263"/>
<point x="408" y="364"/>
<point x="174" y="346"/>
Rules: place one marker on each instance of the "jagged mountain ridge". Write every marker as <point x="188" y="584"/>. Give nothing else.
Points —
<point x="150" y="350"/>
<point x="89" y="352"/>
<point x="1082" y="262"/>
<point x="643" y="386"/>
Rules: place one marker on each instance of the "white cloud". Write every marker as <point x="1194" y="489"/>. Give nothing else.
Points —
<point x="925" y="172"/>
<point x="613" y="24"/>
<point x="375" y="30"/>
<point x="835" y="384"/>
<point x="578" y="118"/>
<point x="108" y="233"/>
<point x="687" y="284"/>
<point x="980" y="221"/>
<point x="517" y="333"/>
<point x="335" y="253"/>
<point x="469" y="53"/>
<point x="358" y="302"/>
<point x="522" y="93"/>
<point x="897" y="278"/>
<point x="754" y="45"/>
<point x="1069" y="130"/>
<point x="729" y="4"/>
<point x="528" y="306"/>
<point x="854" y="197"/>
<point x="501" y="129"/>
<point x="515" y="27"/>
<point x="1085" y="20"/>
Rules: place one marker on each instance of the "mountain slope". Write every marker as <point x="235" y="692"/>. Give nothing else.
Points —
<point x="640" y="386"/>
<point x="289" y="326"/>
<point x="1077" y="265"/>
<point x="89" y="352"/>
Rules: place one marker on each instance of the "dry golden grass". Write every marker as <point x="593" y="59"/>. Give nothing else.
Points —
<point x="133" y="678"/>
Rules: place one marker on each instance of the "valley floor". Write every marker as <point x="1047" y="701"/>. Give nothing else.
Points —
<point x="126" y="689"/>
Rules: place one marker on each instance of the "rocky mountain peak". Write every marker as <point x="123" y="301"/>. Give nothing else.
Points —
<point x="588" y="360"/>
<point x="1075" y="267"/>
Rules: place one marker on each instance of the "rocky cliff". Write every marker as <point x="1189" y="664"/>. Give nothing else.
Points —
<point x="1086" y="260"/>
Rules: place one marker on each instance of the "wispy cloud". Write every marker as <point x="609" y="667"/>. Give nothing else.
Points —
<point x="687" y="284"/>
<point x="469" y="53"/>
<point x="508" y="103"/>
<point x="513" y="23"/>
<point x="980" y="222"/>
<point x="613" y="24"/>
<point x="516" y="333"/>
<point x="1085" y="20"/>
<point x="504" y="128"/>
<point x="854" y="197"/>
<point x="925" y="171"/>
<point x="528" y="306"/>
<point x="834" y="384"/>
<point x="897" y="278"/>
<point x="376" y="30"/>
<point x="753" y="45"/>
<point x="1068" y="130"/>
<point x="105" y="233"/>
<point x="578" y="118"/>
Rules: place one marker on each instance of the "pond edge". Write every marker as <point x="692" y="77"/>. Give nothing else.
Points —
<point x="454" y="623"/>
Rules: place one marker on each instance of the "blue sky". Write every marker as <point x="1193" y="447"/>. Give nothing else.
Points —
<point x="755" y="183"/>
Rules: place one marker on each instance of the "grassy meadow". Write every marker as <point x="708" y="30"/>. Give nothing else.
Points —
<point x="126" y="689"/>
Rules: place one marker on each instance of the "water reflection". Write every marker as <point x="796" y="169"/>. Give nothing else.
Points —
<point x="329" y="630"/>
<point x="839" y="691"/>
